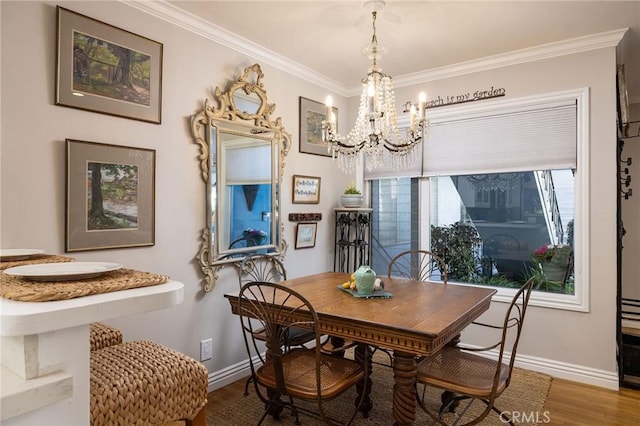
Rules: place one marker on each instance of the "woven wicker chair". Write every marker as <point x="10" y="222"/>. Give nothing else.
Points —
<point x="419" y="265"/>
<point x="103" y="335"/>
<point x="467" y="376"/>
<point x="144" y="383"/>
<point x="283" y="375"/>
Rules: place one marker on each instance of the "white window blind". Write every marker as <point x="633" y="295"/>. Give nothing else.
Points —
<point x="541" y="137"/>
<point x="531" y="136"/>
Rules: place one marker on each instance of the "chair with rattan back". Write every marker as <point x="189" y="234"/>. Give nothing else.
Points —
<point x="285" y="376"/>
<point x="465" y="374"/>
<point x="261" y="267"/>
<point x="421" y="265"/>
<point x="267" y="268"/>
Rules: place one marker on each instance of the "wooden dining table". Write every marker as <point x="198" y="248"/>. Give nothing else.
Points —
<point x="418" y="319"/>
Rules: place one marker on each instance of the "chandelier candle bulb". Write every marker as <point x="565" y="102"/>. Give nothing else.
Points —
<point x="422" y="99"/>
<point x="371" y="93"/>
<point x="412" y="113"/>
<point x="329" y="103"/>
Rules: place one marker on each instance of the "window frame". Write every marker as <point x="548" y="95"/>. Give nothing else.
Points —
<point x="579" y="301"/>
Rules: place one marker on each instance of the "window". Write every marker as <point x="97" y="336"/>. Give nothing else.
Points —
<point x="520" y="186"/>
<point x="394" y="222"/>
<point x="495" y="222"/>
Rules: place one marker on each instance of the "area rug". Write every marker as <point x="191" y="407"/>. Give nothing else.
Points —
<point x="526" y="394"/>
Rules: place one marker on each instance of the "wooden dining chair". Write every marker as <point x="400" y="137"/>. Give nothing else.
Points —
<point x="267" y="268"/>
<point x="261" y="267"/>
<point x="421" y="265"/>
<point x="285" y="376"/>
<point x="467" y="375"/>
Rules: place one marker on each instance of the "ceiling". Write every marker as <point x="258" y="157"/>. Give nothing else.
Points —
<point x="328" y="36"/>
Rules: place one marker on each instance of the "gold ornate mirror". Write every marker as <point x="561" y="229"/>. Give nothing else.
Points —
<point x="241" y="161"/>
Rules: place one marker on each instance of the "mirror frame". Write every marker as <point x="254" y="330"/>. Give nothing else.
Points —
<point x="224" y="115"/>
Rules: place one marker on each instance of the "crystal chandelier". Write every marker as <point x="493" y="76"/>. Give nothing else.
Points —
<point x="376" y="129"/>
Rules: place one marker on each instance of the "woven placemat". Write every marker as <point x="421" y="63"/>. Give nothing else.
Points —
<point x="45" y="258"/>
<point x="24" y="290"/>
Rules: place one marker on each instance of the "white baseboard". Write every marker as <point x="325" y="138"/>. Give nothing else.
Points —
<point x="573" y="372"/>
<point x="563" y="370"/>
<point x="558" y="369"/>
<point x="221" y="378"/>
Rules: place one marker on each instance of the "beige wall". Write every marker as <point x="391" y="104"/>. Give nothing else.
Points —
<point x="33" y="189"/>
<point x="33" y="166"/>
<point x="557" y="336"/>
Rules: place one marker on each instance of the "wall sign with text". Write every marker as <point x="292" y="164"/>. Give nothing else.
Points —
<point x="306" y="189"/>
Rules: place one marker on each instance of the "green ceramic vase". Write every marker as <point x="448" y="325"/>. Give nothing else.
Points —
<point x="365" y="280"/>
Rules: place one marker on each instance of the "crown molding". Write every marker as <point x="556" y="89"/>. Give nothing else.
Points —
<point x="530" y="54"/>
<point x="179" y="17"/>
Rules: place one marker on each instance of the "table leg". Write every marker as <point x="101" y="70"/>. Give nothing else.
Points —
<point x="361" y="353"/>
<point x="273" y="409"/>
<point x="404" y="389"/>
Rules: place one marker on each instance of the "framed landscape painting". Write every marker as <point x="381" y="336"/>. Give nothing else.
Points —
<point x="110" y="196"/>
<point x="312" y="114"/>
<point x="106" y="69"/>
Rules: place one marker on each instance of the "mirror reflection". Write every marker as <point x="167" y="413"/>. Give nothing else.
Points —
<point x="245" y="164"/>
<point x="241" y="162"/>
<point x="247" y="103"/>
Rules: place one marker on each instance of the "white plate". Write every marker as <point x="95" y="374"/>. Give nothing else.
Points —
<point x="7" y="255"/>
<point x="65" y="271"/>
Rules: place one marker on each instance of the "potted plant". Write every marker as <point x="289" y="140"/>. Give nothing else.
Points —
<point x="352" y="197"/>
<point x="554" y="259"/>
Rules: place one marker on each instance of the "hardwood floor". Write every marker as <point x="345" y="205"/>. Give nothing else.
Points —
<point x="568" y="403"/>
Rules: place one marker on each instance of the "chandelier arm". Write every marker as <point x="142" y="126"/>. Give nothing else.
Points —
<point x="340" y="144"/>
<point x="402" y="146"/>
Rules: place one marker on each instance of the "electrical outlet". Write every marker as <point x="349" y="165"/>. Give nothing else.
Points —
<point x="206" y="349"/>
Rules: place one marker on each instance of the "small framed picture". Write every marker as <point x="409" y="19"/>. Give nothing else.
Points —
<point x="306" y="189"/>
<point x="110" y="196"/>
<point x="312" y="114"/>
<point x="306" y="235"/>
<point x="106" y="69"/>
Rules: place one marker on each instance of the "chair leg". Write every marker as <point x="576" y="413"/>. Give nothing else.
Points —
<point x="199" y="420"/>
<point x="449" y="403"/>
<point x="420" y="400"/>
<point x="246" y="385"/>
